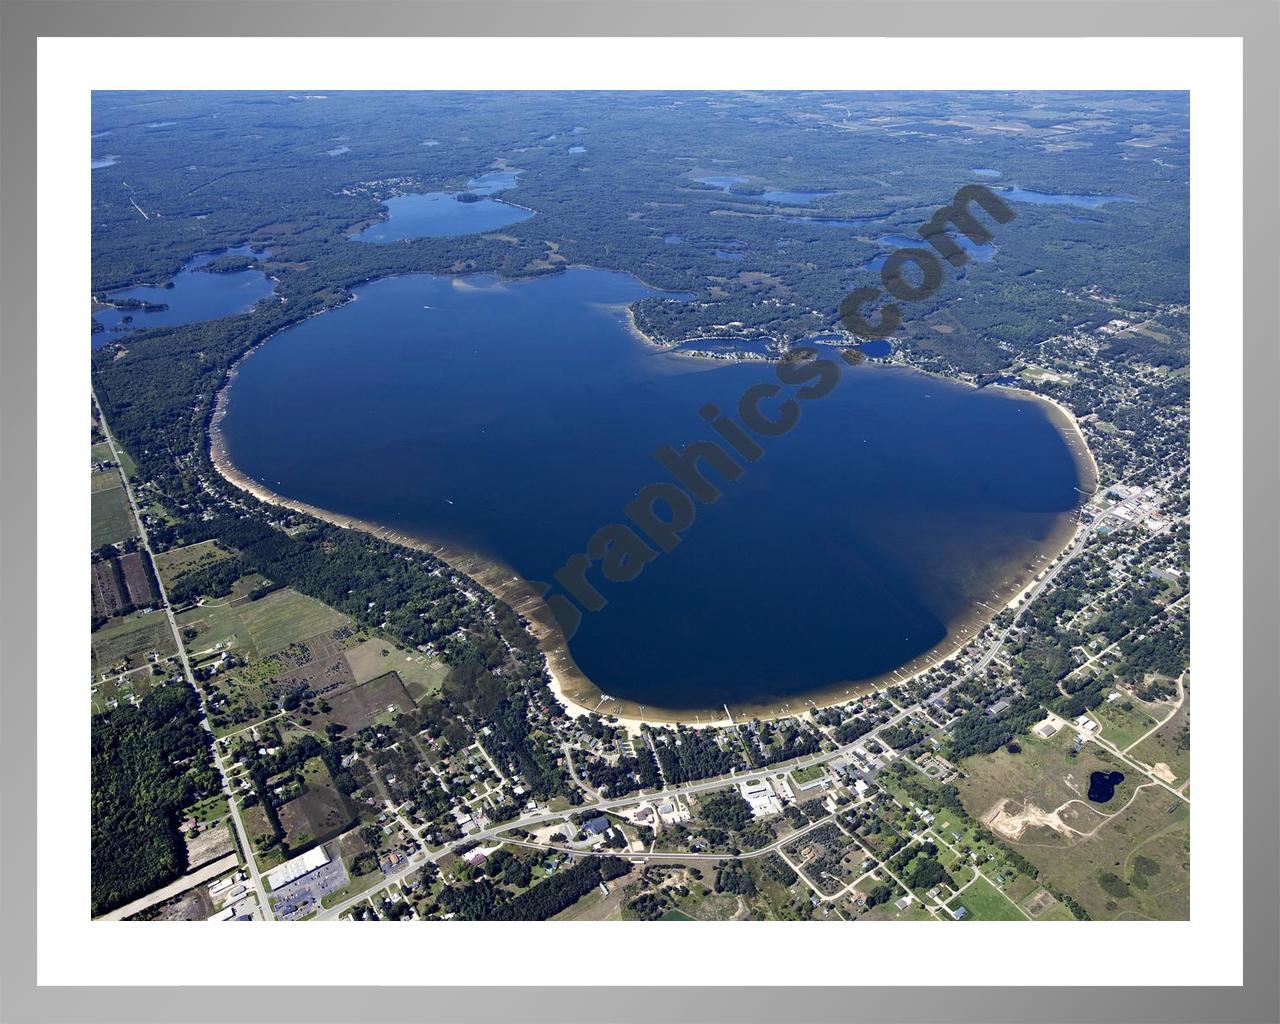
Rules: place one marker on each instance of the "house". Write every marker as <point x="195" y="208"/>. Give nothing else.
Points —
<point x="597" y="826"/>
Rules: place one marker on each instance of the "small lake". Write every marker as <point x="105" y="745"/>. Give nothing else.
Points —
<point x="1102" y="786"/>
<point x="439" y="215"/>
<point x="515" y="418"/>
<point x="835" y="222"/>
<point x="192" y="296"/>
<point x="1088" y="202"/>
<point x="982" y="252"/>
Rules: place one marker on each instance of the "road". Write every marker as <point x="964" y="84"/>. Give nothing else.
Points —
<point x="218" y="760"/>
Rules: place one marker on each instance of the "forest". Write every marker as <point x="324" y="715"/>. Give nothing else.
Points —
<point x="148" y="762"/>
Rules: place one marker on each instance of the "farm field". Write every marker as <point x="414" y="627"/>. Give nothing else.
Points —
<point x="367" y="704"/>
<point x="258" y="628"/>
<point x="174" y="564"/>
<point x="422" y="675"/>
<point x="110" y="518"/>
<point x="104" y="480"/>
<point x="284" y="617"/>
<point x="128" y="643"/>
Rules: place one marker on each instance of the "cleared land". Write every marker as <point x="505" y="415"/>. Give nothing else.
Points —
<point x="173" y="565"/>
<point x="1170" y="745"/>
<point x="258" y="628"/>
<point x="126" y="645"/>
<point x="421" y="675"/>
<point x="1127" y="859"/>
<point x="110" y="519"/>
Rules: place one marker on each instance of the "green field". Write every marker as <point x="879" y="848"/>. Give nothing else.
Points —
<point x="259" y="628"/>
<point x="285" y="616"/>
<point x="174" y="564"/>
<point x="985" y="903"/>
<point x="110" y="519"/>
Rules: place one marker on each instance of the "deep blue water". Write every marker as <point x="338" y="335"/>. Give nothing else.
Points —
<point x="517" y="418"/>
<point x="879" y="348"/>
<point x="440" y="215"/>
<point x="1089" y="202"/>
<point x="1102" y="786"/>
<point x="196" y="295"/>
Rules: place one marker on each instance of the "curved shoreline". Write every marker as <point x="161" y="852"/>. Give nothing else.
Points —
<point x="575" y="691"/>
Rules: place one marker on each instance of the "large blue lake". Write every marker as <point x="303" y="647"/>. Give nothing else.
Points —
<point x="514" y="419"/>
<point x="193" y="295"/>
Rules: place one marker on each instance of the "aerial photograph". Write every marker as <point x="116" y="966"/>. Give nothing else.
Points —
<point x="640" y="506"/>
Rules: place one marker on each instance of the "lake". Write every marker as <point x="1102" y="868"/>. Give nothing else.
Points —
<point x="440" y="215"/>
<point x="515" y="418"/>
<point x="1089" y="202"/>
<point x="194" y="295"/>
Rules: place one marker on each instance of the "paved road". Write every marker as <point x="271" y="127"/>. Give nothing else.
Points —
<point x="218" y="761"/>
<point x="175" y="888"/>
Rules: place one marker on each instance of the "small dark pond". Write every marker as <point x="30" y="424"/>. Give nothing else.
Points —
<point x="1102" y="786"/>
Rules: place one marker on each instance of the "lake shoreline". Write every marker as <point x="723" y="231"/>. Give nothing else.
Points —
<point x="579" y="694"/>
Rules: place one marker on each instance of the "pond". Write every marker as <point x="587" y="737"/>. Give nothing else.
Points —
<point x="1102" y="786"/>
<point x="514" y="419"/>
<point x="193" y="295"/>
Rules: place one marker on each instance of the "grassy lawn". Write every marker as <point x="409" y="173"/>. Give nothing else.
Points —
<point x="986" y="903"/>
<point x="110" y="519"/>
<point x="813" y="771"/>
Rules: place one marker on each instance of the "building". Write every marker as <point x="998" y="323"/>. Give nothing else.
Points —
<point x="292" y="870"/>
<point x="597" y="826"/>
